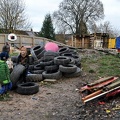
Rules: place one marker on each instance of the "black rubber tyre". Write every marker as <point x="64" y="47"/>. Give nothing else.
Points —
<point x="31" y="67"/>
<point x="15" y="74"/>
<point x="75" y="74"/>
<point x="36" y="51"/>
<point x="34" y="55"/>
<point x="37" y="71"/>
<point x="14" y="59"/>
<point x="55" y="75"/>
<point x="28" y="88"/>
<point x="72" y="51"/>
<point x="49" y="57"/>
<point x="50" y="53"/>
<point x="78" y="65"/>
<point x="31" y="60"/>
<point x="41" y="54"/>
<point x="51" y="68"/>
<point x="61" y="60"/>
<point x="63" y="50"/>
<point x="46" y="63"/>
<point x="38" y="67"/>
<point x="34" y="77"/>
<point x="77" y="59"/>
<point x="67" y="54"/>
<point x="72" y="60"/>
<point x="37" y="61"/>
<point x="69" y="68"/>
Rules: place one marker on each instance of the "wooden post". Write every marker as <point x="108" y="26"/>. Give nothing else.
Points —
<point x="72" y="40"/>
<point x="33" y="42"/>
<point x="20" y="41"/>
<point x="83" y="42"/>
<point x="75" y="41"/>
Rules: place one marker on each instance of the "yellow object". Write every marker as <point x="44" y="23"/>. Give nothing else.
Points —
<point x="111" y="43"/>
<point x="107" y="111"/>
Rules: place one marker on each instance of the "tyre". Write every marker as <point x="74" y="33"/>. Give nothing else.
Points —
<point x="41" y="54"/>
<point x="28" y="88"/>
<point x="15" y="74"/>
<point x="31" y="60"/>
<point x="69" y="68"/>
<point x="63" y="50"/>
<point x="31" y="67"/>
<point x="46" y="63"/>
<point x="78" y="65"/>
<point x="14" y="59"/>
<point x="38" y="49"/>
<point x="75" y="74"/>
<point x="49" y="55"/>
<point x="72" y="51"/>
<point x="34" y="77"/>
<point x="38" y="67"/>
<point x="61" y="60"/>
<point x="33" y="55"/>
<point x="37" y="71"/>
<point x="55" y="75"/>
<point x="77" y="59"/>
<point x="67" y="54"/>
<point x="35" y="51"/>
<point x="37" y="61"/>
<point x="51" y="68"/>
<point x="72" y="60"/>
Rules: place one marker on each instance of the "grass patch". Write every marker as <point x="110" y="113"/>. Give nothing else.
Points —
<point x="14" y="54"/>
<point x="102" y="66"/>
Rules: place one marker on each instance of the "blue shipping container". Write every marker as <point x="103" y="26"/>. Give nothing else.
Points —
<point x="118" y="42"/>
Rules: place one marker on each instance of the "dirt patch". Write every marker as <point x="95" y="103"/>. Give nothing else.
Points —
<point x="59" y="101"/>
<point x="53" y="102"/>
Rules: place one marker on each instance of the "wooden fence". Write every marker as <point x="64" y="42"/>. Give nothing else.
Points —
<point x="26" y="41"/>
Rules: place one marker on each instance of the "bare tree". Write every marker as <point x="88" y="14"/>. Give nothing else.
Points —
<point x="76" y="14"/>
<point x="116" y="32"/>
<point x="12" y="15"/>
<point x="105" y="27"/>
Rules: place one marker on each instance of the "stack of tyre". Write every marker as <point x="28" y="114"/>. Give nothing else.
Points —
<point x="53" y="65"/>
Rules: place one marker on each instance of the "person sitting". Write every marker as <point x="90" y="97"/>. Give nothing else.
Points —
<point x="23" y="59"/>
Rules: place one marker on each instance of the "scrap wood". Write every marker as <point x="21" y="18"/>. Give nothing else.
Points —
<point x="98" y="94"/>
<point x="111" y="94"/>
<point x="103" y="82"/>
<point x="113" y="85"/>
<point x="92" y="95"/>
<point x="117" y="107"/>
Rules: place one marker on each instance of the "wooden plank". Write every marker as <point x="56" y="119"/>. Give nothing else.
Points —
<point x="100" y="95"/>
<point x="100" y="80"/>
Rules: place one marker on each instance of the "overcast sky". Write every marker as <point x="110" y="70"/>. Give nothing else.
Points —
<point x="37" y="9"/>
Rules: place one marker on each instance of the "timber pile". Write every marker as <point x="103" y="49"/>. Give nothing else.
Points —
<point x="107" y="87"/>
<point x="108" y="51"/>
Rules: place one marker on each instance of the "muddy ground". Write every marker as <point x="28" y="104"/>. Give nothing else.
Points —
<point x="59" y="101"/>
